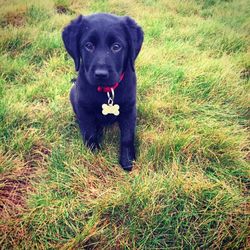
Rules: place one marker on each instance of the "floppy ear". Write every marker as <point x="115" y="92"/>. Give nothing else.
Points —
<point x="71" y="36"/>
<point x="135" y="38"/>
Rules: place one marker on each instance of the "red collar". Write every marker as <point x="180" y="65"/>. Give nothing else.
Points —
<point x="108" y="89"/>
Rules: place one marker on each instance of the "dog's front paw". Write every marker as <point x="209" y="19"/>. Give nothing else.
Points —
<point x="127" y="157"/>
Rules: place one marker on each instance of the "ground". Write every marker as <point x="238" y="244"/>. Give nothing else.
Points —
<point x="189" y="186"/>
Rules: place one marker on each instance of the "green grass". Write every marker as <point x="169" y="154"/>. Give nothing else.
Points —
<point x="189" y="186"/>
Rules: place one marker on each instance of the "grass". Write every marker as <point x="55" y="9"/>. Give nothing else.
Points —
<point x="189" y="186"/>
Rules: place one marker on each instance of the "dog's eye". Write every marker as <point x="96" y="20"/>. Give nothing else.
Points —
<point x="116" y="47"/>
<point x="89" y="46"/>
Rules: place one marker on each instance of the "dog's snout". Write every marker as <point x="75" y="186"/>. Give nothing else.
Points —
<point x="101" y="73"/>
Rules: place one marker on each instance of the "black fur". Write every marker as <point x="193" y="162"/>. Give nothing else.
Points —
<point x="92" y="42"/>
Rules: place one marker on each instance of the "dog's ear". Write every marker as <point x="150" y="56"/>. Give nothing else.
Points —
<point x="135" y="39"/>
<point x="71" y="37"/>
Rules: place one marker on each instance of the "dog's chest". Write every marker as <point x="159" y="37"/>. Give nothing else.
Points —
<point x="94" y="107"/>
<point x="106" y="119"/>
<point x="92" y="102"/>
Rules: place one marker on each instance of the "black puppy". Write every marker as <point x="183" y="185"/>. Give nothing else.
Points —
<point x="104" y="48"/>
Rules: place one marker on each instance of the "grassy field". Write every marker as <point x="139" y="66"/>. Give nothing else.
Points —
<point x="189" y="186"/>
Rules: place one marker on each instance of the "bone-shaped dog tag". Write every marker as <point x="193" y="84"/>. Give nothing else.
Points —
<point x="110" y="109"/>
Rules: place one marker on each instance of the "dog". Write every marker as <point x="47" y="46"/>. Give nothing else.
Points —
<point x="104" y="48"/>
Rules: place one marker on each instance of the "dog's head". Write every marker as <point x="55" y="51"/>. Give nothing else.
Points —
<point x="103" y="46"/>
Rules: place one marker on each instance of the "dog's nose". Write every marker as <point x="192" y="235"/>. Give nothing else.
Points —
<point x="101" y="74"/>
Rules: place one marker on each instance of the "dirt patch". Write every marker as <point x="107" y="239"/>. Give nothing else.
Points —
<point x="245" y="73"/>
<point x="13" y="189"/>
<point x="14" y="19"/>
<point x="60" y="9"/>
<point x="14" y="186"/>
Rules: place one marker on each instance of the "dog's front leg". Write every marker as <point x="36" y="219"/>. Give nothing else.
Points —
<point x="88" y="130"/>
<point x="127" y="123"/>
